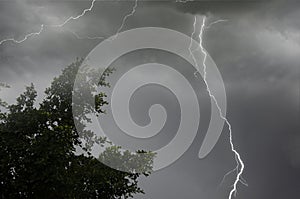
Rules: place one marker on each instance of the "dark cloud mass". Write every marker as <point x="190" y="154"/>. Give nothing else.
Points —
<point x="257" y="51"/>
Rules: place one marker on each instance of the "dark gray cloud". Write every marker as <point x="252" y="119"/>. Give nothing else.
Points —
<point x="257" y="51"/>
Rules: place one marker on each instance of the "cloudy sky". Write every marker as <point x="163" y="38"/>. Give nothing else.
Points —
<point x="257" y="51"/>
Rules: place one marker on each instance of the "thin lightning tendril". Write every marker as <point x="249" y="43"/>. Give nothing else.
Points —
<point x="191" y="42"/>
<point x="125" y="18"/>
<point x="242" y="180"/>
<point x="85" y="37"/>
<point x="25" y="38"/>
<point x="183" y="1"/>
<point x="74" y="33"/>
<point x="240" y="164"/>
<point x="78" y="16"/>
<point x="55" y="26"/>
<point x="215" y="22"/>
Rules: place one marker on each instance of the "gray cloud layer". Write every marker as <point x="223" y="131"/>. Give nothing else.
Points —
<point x="257" y="51"/>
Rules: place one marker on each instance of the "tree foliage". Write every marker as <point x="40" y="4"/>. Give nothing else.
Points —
<point x="3" y="103"/>
<point x="37" y="149"/>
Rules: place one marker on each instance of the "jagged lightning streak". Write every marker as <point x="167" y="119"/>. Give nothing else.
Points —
<point x="54" y="26"/>
<point x="78" y="16"/>
<point x="240" y="164"/>
<point x="133" y="10"/>
<point x="25" y="38"/>
<point x="242" y="180"/>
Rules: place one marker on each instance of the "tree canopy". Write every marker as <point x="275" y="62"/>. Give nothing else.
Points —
<point x="37" y="149"/>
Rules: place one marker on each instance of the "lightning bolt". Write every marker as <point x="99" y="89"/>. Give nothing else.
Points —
<point x="78" y="16"/>
<point x="74" y="18"/>
<point x="240" y="164"/>
<point x="25" y="38"/>
<point x="133" y="10"/>
<point x="54" y="26"/>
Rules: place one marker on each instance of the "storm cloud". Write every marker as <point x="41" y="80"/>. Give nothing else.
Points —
<point x="256" y="50"/>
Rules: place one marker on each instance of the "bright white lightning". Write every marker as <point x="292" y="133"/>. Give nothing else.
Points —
<point x="132" y="12"/>
<point x="240" y="164"/>
<point x="25" y="38"/>
<point x="78" y="16"/>
<point x="55" y="26"/>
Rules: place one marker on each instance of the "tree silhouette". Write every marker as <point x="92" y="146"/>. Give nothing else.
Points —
<point x="37" y="149"/>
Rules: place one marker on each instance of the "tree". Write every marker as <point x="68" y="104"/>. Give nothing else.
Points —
<point x="37" y="149"/>
<point x="3" y="85"/>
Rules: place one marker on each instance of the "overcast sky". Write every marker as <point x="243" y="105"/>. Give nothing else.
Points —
<point x="257" y="51"/>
